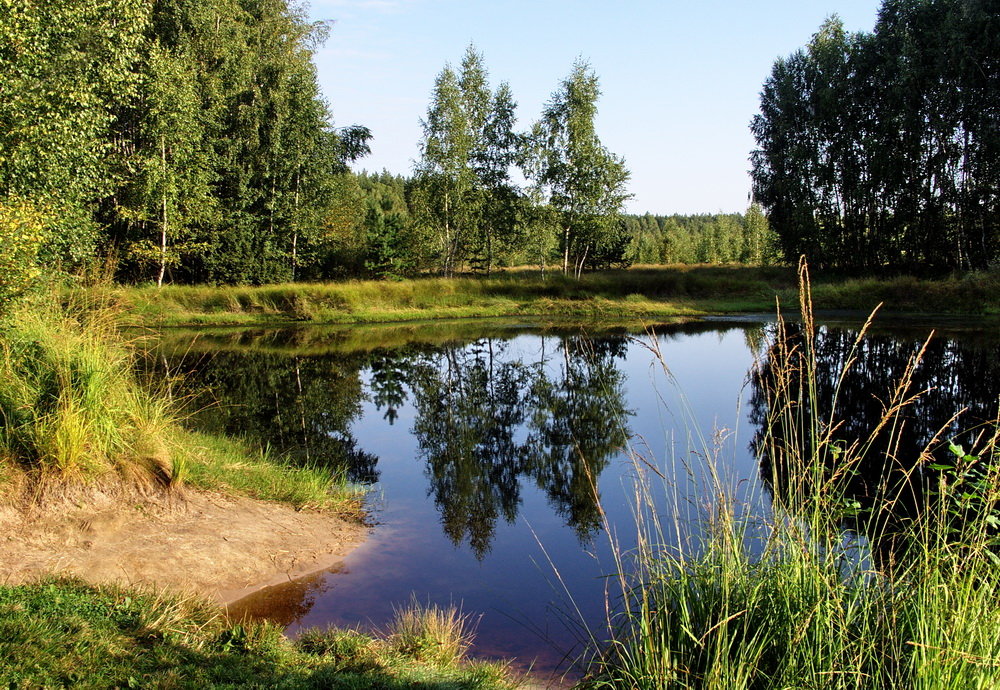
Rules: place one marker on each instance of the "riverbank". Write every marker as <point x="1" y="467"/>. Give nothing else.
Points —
<point x="150" y="527"/>
<point x="65" y="633"/>
<point x="635" y="294"/>
<point x="204" y="543"/>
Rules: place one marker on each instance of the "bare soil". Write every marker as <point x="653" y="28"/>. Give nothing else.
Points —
<point x="212" y="545"/>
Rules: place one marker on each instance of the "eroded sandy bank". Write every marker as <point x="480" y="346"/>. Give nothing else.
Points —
<point x="209" y="544"/>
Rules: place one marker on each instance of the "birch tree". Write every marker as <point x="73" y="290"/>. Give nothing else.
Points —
<point x="576" y="174"/>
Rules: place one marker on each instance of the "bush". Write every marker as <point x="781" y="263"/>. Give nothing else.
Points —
<point x="22" y="231"/>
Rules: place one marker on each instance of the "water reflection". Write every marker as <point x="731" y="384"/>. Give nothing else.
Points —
<point x="952" y="397"/>
<point x="300" y="406"/>
<point x="485" y="421"/>
<point x="465" y="434"/>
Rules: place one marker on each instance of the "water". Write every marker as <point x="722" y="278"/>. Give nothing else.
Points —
<point x="482" y="453"/>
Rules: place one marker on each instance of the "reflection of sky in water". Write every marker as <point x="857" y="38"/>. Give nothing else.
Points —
<point x="536" y="582"/>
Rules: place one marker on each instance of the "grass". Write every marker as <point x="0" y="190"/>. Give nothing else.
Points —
<point x="70" y="405"/>
<point x="909" y="602"/>
<point x="63" y="633"/>
<point x="641" y="293"/>
<point x="74" y="411"/>
<point x="439" y="635"/>
<point x="236" y="466"/>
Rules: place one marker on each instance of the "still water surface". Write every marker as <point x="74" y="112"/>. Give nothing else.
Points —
<point x="483" y="453"/>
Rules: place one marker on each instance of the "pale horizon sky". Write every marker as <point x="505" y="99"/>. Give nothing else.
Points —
<point x="680" y="81"/>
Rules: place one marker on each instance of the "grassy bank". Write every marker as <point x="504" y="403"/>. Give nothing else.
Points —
<point x="74" y="411"/>
<point x="896" y="586"/>
<point x="62" y="633"/>
<point x="639" y="293"/>
<point x="75" y="414"/>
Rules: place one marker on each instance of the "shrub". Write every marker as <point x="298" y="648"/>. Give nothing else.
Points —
<point x="22" y="231"/>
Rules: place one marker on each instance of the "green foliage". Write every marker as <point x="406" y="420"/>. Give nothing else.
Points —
<point x="705" y="238"/>
<point x="577" y="175"/>
<point x="465" y="195"/>
<point x="186" y="140"/>
<point x="879" y="149"/>
<point x="22" y="232"/>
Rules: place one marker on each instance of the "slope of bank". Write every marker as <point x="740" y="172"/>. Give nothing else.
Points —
<point x="122" y="532"/>
<point x="638" y="293"/>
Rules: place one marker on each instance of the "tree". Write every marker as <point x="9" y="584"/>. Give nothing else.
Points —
<point x="22" y="232"/>
<point x="168" y="182"/>
<point x="468" y="148"/>
<point x="580" y="178"/>
<point x="444" y="171"/>
<point x="878" y="149"/>
<point x="65" y="66"/>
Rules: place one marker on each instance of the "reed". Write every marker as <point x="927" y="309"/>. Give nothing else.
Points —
<point x="799" y="601"/>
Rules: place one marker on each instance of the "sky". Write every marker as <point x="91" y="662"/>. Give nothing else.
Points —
<point x="680" y="80"/>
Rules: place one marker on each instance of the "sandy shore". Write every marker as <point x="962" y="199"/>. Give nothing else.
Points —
<point x="202" y="543"/>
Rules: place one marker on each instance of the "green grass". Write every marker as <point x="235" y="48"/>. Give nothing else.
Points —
<point x="639" y="293"/>
<point x="916" y="606"/>
<point x="63" y="633"/>
<point x="72" y="410"/>
<point x="239" y="467"/>
<point x="70" y="405"/>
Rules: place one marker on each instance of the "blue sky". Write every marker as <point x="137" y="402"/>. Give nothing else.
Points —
<point x="680" y="80"/>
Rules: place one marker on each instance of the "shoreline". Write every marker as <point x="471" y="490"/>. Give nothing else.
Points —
<point x="215" y="546"/>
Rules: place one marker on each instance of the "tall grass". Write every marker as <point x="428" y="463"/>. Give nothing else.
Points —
<point x="438" y="635"/>
<point x="899" y="602"/>
<point x="70" y="404"/>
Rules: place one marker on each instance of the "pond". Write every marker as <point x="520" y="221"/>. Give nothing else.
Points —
<point x="502" y="460"/>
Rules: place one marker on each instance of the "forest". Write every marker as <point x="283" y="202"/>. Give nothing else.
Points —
<point x="184" y="142"/>
<point x="189" y="143"/>
<point x="880" y="150"/>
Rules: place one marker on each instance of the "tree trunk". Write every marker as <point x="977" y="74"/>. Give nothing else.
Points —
<point x="163" y="214"/>
<point x="582" y="261"/>
<point x="566" y="250"/>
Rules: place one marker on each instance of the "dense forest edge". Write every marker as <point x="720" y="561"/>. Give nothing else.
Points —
<point x="173" y="163"/>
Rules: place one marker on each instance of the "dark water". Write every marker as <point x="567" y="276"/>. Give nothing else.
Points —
<point x="496" y="463"/>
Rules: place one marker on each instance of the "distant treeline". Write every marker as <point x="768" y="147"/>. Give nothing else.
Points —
<point x="380" y="232"/>
<point x="701" y="239"/>
<point x="880" y="150"/>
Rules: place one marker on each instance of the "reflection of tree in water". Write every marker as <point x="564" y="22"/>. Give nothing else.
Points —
<point x="302" y="406"/>
<point x="956" y="376"/>
<point x="484" y="421"/>
<point x="578" y="423"/>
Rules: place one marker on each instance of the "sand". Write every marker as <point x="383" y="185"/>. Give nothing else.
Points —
<point x="191" y="542"/>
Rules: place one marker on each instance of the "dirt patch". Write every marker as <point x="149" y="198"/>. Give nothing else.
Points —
<point x="216" y="546"/>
